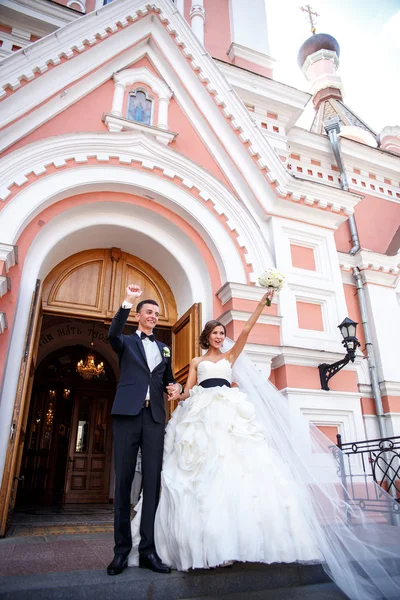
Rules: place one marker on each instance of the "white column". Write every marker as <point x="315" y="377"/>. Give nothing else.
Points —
<point x="163" y="113"/>
<point x="118" y="99"/>
<point x="198" y="17"/>
<point x="249" y="32"/>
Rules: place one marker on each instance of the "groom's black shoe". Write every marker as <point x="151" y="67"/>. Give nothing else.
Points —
<point x="153" y="562"/>
<point x="118" y="564"/>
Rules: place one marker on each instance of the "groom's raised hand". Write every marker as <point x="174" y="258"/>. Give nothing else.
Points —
<point x="133" y="292"/>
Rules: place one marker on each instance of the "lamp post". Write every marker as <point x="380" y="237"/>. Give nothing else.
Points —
<point x="350" y="342"/>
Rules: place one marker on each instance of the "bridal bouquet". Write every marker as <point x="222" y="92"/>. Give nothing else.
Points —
<point x="272" y="278"/>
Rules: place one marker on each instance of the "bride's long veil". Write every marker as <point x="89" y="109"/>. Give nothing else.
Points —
<point x="361" y="549"/>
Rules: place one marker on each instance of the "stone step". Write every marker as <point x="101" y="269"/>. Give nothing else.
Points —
<point x="318" y="591"/>
<point x="238" y="581"/>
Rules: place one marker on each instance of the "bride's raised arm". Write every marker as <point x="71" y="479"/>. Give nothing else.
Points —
<point x="242" y="339"/>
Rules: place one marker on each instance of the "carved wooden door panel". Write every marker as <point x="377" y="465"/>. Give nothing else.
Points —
<point x="89" y="457"/>
<point x="91" y="284"/>
<point x="185" y="344"/>
<point x="21" y="409"/>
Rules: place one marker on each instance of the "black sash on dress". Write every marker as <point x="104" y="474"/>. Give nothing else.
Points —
<point x="214" y="382"/>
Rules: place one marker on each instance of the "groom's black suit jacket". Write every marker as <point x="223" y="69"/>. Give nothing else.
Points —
<point x="135" y="375"/>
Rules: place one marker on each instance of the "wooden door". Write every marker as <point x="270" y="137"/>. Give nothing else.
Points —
<point x="21" y="409"/>
<point x="91" y="284"/>
<point x="89" y="456"/>
<point x="185" y="344"/>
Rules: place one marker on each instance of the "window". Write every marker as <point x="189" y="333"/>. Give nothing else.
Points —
<point x="139" y="107"/>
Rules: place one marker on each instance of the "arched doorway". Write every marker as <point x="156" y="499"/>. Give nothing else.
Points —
<point x="67" y="451"/>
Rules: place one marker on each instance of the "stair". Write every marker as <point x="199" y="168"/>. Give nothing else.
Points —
<point x="239" y="582"/>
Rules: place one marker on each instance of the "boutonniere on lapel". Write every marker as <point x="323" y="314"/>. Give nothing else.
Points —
<point x="166" y="352"/>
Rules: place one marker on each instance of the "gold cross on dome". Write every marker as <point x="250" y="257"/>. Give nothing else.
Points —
<point x="308" y="9"/>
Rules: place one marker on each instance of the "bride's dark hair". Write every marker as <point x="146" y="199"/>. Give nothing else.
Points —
<point x="208" y="328"/>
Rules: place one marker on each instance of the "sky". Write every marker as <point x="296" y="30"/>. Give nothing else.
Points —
<point x="368" y="32"/>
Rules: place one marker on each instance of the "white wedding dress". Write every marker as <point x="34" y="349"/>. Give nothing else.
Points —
<point x="226" y="494"/>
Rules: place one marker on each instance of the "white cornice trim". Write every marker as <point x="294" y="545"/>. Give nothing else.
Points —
<point x="390" y="388"/>
<point x="4" y="285"/>
<point x="116" y="124"/>
<point x="375" y="268"/>
<point x="241" y="291"/>
<point x="52" y="13"/>
<point x="320" y="55"/>
<point x="3" y="322"/>
<point x="305" y="357"/>
<point x="239" y="315"/>
<point x="8" y="254"/>
<point x="143" y="75"/>
<point x="252" y="56"/>
<point x="320" y="393"/>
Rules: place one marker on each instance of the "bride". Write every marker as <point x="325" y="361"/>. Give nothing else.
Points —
<point x="235" y="486"/>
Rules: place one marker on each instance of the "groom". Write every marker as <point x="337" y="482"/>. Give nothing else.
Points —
<point x="138" y="421"/>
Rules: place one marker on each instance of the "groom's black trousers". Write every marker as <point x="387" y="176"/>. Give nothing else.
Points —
<point x="130" y="433"/>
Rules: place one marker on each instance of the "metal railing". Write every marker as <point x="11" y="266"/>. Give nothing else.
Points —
<point x="366" y="462"/>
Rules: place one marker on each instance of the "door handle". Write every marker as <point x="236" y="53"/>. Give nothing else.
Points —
<point x="71" y="460"/>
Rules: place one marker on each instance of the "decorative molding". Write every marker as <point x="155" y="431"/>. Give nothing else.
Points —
<point x="244" y="292"/>
<point x="239" y="315"/>
<point x="307" y="357"/>
<point x="128" y="77"/>
<point x="252" y="56"/>
<point x="375" y="268"/>
<point x="135" y="146"/>
<point x="390" y="388"/>
<point x="4" y="285"/>
<point x="8" y="255"/>
<point x="3" y="322"/>
<point x="116" y="124"/>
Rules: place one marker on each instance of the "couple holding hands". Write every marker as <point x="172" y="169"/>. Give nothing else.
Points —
<point x="221" y="481"/>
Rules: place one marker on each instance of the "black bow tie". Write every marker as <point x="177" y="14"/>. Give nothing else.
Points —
<point x="143" y="336"/>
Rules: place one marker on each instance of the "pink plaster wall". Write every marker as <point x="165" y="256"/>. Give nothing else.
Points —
<point x="84" y="115"/>
<point x="377" y="222"/>
<point x="217" y="32"/>
<point x="308" y="377"/>
<point x="329" y="431"/>
<point x="309" y="316"/>
<point x="302" y="257"/>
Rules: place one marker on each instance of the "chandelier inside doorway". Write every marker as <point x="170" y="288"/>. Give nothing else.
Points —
<point x="87" y="368"/>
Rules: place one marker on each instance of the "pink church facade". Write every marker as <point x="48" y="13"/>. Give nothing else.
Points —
<point x="158" y="128"/>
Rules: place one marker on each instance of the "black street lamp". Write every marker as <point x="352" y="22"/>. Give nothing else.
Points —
<point x="351" y="343"/>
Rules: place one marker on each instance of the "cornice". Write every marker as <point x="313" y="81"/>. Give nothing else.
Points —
<point x="252" y="56"/>
<point x="240" y="315"/>
<point x="306" y="357"/>
<point x="52" y="13"/>
<point x="116" y="124"/>
<point x="390" y="388"/>
<point x="263" y="86"/>
<point x="241" y="291"/>
<point x="375" y="268"/>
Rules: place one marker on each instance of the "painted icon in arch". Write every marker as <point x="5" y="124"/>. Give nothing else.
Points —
<point x="139" y="107"/>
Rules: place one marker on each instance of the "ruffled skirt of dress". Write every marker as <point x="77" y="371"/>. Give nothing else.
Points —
<point x="226" y="494"/>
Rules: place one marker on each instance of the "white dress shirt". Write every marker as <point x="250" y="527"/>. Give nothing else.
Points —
<point x="153" y="354"/>
<point x="151" y="349"/>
